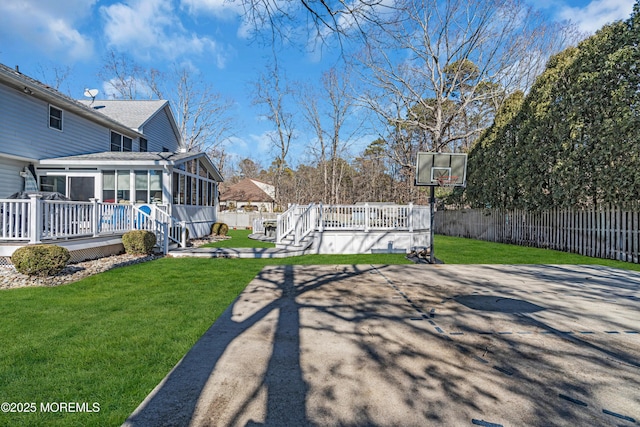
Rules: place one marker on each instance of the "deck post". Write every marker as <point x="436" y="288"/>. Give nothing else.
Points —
<point x="366" y="217"/>
<point x="35" y="220"/>
<point x="278" y="228"/>
<point x="410" y="217"/>
<point x="165" y="238"/>
<point x="183" y="234"/>
<point x="95" y="217"/>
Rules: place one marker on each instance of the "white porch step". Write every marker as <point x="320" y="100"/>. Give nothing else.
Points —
<point x="235" y="253"/>
<point x="288" y="243"/>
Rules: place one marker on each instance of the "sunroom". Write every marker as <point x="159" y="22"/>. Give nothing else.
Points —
<point x="182" y="185"/>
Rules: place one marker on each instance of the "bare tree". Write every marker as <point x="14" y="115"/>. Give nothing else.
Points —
<point x="329" y="112"/>
<point x="202" y="115"/>
<point x="437" y="74"/>
<point x="124" y="79"/>
<point x="55" y="75"/>
<point x="324" y="19"/>
<point x="272" y="92"/>
<point x="310" y="108"/>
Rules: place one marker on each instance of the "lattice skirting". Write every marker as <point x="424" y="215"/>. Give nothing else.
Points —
<point x="96" y="252"/>
<point x="81" y="254"/>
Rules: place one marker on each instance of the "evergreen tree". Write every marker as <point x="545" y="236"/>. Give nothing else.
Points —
<point x="573" y="140"/>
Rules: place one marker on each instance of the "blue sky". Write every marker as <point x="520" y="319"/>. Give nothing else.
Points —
<point x="209" y="36"/>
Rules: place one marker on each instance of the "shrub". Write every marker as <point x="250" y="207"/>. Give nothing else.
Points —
<point x="215" y="228"/>
<point x="40" y="260"/>
<point x="224" y="228"/>
<point x="138" y="242"/>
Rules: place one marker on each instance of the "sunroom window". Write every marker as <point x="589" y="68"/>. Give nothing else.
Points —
<point x="148" y="186"/>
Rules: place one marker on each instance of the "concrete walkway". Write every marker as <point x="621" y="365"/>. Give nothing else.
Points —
<point x="414" y="345"/>
<point x="239" y="252"/>
<point x="235" y="252"/>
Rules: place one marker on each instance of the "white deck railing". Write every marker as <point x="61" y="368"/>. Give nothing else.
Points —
<point x="34" y="220"/>
<point x="14" y="219"/>
<point x="300" y="221"/>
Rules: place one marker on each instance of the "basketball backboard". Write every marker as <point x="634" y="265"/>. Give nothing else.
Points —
<point x="441" y="169"/>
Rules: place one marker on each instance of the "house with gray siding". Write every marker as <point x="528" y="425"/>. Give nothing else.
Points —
<point x="101" y="153"/>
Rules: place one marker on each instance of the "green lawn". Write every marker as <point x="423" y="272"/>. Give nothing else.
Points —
<point x="456" y="250"/>
<point x="112" y="337"/>
<point x="239" y="239"/>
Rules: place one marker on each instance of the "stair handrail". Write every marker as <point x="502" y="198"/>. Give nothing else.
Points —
<point x="166" y="228"/>
<point x="305" y="223"/>
<point x="285" y="222"/>
<point x="176" y="228"/>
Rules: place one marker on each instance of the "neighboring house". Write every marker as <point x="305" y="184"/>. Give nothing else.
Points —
<point x="250" y="193"/>
<point x="125" y="152"/>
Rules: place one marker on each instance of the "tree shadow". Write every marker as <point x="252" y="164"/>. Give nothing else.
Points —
<point x="374" y="345"/>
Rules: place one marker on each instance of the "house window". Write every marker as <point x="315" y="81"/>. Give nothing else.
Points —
<point x="190" y="189"/>
<point x="183" y="190"/>
<point x="142" y="186"/>
<point x="148" y="186"/>
<point x="188" y="200"/>
<point x="175" y="190"/>
<point x="155" y="186"/>
<point x="55" y="118"/>
<point x="123" y="180"/>
<point x="115" y="186"/>
<point x="81" y="188"/>
<point x="109" y="186"/>
<point x="53" y="183"/>
<point x="120" y="142"/>
<point x="143" y="145"/>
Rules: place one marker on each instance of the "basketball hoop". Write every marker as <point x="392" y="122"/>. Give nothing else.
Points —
<point x="447" y="180"/>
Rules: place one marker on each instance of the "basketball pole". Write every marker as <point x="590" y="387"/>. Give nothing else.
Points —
<point x="432" y="203"/>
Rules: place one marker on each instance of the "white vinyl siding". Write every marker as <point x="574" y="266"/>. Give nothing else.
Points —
<point x="159" y="133"/>
<point x="10" y="179"/>
<point x="25" y="132"/>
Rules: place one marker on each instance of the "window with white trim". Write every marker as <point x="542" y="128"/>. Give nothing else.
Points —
<point x="120" y="142"/>
<point x="55" y="118"/>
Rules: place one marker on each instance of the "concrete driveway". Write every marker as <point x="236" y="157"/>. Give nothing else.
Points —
<point x="414" y="345"/>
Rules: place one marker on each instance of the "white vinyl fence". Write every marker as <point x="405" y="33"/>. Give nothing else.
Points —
<point x="602" y="232"/>
<point x="243" y="220"/>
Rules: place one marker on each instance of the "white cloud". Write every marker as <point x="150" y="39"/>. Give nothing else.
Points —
<point x="219" y="8"/>
<point x="258" y="146"/>
<point x="50" y="27"/>
<point x="262" y="144"/>
<point x="597" y="13"/>
<point x="151" y="28"/>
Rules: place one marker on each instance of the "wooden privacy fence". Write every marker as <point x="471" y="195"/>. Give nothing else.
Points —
<point x="602" y="232"/>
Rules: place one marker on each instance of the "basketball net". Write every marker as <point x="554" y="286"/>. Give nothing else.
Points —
<point x="447" y="180"/>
